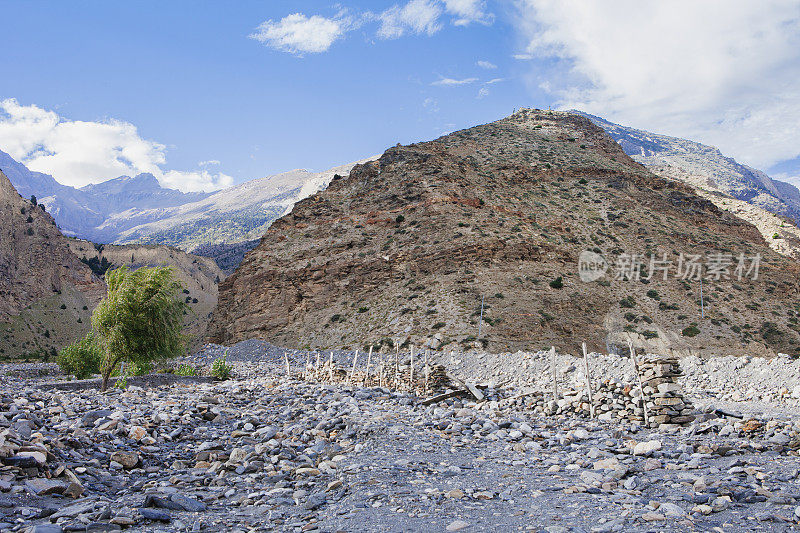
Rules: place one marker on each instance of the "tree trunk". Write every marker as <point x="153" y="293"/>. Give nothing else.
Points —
<point x="104" y="384"/>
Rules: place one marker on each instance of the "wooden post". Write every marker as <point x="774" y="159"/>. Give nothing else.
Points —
<point x="330" y="368"/>
<point x="397" y="366"/>
<point x="286" y="358"/>
<point x="316" y="368"/>
<point x="555" y="372"/>
<point x="427" y="368"/>
<point x="411" y="375"/>
<point x="380" y="367"/>
<point x="366" y="372"/>
<point x="588" y="380"/>
<point x="353" y="371"/>
<point x="639" y="379"/>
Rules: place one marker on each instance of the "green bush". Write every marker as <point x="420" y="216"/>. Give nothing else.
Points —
<point x="690" y="331"/>
<point x="652" y="293"/>
<point x="557" y="283"/>
<point x="81" y="358"/>
<point x="220" y="369"/>
<point x="186" y="370"/>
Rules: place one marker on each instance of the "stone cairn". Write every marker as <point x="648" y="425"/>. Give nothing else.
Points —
<point x="663" y="396"/>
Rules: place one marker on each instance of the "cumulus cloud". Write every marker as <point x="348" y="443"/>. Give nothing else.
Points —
<point x="468" y="11"/>
<point x="483" y="92"/>
<point x="723" y="73"/>
<point x="450" y="82"/>
<point x="486" y="64"/>
<point x="78" y="152"/>
<point x="299" y="34"/>
<point x="417" y="16"/>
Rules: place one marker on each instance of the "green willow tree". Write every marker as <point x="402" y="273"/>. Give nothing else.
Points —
<point x="140" y="320"/>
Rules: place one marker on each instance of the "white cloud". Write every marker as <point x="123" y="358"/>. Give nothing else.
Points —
<point x="431" y="104"/>
<point x="417" y="16"/>
<point x="467" y="11"/>
<point x="495" y="80"/>
<point x="77" y="152"/>
<point x="299" y="34"/>
<point x="208" y="163"/>
<point x="486" y="64"/>
<point x="723" y="73"/>
<point x="450" y="82"/>
<point x="523" y="57"/>
<point x="483" y="92"/>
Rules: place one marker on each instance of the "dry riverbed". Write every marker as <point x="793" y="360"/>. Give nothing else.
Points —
<point x="263" y="452"/>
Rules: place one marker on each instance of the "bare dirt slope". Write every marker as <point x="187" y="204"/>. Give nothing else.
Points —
<point x="405" y="248"/>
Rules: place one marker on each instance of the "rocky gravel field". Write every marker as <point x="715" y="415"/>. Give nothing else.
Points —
<point x="264" y="452"/>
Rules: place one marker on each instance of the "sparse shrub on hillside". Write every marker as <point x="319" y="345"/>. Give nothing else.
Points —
<point x="400" y="219"/>
<point x="363" y="309"/>
<point x="81" y="358"/>
<point x="649" y="334"/>
<point x="769" y="332"/>
<point x="652" y="293"/>
<point x="690" y="331"/>
<point x="33" y="200"/>
<point x="557" y="283"/>
<point x="776" y="236"/>
<point x="627" y="302"/>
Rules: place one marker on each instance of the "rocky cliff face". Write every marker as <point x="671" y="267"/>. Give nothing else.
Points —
<point x="406" y="247"/>
<point x="39" y="275"/>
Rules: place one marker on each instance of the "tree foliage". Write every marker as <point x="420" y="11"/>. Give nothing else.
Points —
<point x="140" y="320"/>
<point x="81" y="358"/>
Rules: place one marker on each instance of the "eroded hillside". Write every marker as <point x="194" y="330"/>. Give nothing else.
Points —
<point x="406" y="247"/>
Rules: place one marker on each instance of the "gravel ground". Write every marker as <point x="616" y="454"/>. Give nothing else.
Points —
<point x="266" y="452"/>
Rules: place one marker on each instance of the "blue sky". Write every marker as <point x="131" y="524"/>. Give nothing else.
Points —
<point x="181" y="89"/>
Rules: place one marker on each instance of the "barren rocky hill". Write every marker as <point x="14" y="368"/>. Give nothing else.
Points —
<point x="45" y="291"/>
<point x="405" y="248"/>
<point x="199" y="275"/>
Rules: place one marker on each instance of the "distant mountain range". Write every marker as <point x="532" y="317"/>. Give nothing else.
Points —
<point x="82" y="212"/>
<point x="139" y="210"/>
<point x="704" y="167"/>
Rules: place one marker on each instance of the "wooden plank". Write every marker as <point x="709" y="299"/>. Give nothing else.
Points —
<point x="443" y="396"/>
